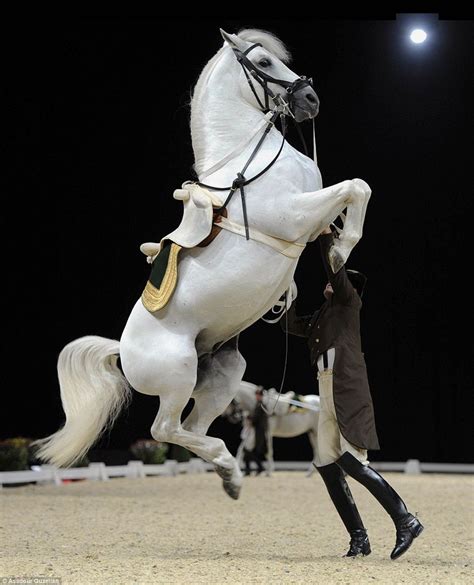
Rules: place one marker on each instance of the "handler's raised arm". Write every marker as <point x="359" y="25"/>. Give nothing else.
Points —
<point x="341" y="285"/>
<point x="297" y="325"/>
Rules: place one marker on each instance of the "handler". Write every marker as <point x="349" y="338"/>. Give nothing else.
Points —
<point x="256" y="451"/>
<point x="346" y="427"/>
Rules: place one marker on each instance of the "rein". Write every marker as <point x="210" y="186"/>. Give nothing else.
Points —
<point x="240" y="182"/>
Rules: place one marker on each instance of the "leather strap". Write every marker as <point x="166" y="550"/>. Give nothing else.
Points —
<point x="288" y="249"/>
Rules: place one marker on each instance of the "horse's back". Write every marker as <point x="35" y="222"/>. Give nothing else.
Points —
<point x="312" y="399"/>
<point x="294" y="424"/>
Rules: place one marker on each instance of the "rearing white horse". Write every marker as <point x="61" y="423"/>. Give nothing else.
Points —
<point x="188" y="349"/>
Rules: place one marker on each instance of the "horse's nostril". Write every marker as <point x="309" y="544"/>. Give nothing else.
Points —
<point x="311" y="98"/>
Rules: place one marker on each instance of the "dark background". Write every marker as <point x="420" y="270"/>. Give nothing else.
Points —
<point x="100" y="139"/>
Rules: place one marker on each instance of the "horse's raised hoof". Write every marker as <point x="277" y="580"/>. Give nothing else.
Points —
<point x="336" y="260"/>
<point x="230" y="486"/>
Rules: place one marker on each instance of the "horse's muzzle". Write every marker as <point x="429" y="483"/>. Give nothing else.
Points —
<point x="304" y="103"/>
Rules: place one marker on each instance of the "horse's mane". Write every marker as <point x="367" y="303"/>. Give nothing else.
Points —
<point x="268" y="40"/>
<point x="253" y="35"/>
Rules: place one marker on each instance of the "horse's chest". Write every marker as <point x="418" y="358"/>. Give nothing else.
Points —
<point x="307" y="175"/>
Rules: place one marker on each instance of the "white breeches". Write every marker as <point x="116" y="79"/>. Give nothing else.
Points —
<point x="331" y="444"/>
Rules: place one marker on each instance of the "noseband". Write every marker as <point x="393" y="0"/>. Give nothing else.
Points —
<point x="251" y="71"/>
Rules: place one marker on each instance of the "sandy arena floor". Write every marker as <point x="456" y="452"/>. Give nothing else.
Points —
<point x="186" y="530"/>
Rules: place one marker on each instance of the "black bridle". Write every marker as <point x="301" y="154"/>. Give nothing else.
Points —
<point x="282" y="109"/>
<point x="252" y="71"/>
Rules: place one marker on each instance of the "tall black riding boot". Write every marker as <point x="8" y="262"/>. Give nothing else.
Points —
<point x="259" y="463"/>
<point x="408" y="527"/>
<point x="247" y="459"/>
<point x="342" y="498"/>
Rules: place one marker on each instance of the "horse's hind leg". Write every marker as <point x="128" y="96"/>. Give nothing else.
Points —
<point x="218" y="381"/>
<point x="167" y="428"/>
<point x="164" y="363"/>
<point x="219" y="377"/>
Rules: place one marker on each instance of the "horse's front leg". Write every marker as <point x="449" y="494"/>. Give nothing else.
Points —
<point x="317" y="209"/>
<point x="353" y="225"/>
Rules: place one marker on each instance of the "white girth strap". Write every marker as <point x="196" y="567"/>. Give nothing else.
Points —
<point x="197" y="223"/>
<point x="289" y="249"/>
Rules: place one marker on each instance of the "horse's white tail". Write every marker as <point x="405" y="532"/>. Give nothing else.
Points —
<point x="93" y="392"/>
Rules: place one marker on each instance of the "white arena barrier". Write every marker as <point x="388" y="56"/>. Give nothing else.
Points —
<point x="99" y="472"/>
<point x="43" y="474"/>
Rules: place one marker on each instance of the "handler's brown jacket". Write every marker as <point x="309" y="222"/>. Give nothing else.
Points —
<point x="336" y="324"/>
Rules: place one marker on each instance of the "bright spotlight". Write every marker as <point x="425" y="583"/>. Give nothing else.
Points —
<point x="418" y="36"/>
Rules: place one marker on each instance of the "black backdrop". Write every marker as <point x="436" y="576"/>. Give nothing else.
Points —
<point x="100" y="140"/>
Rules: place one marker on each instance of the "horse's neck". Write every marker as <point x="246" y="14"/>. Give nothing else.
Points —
<point x="220" y="118"/>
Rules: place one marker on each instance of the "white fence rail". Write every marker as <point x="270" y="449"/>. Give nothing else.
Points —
<point x="413" y="466"/>
<point x="100" y="472"/>
<point x="135" y="469"/>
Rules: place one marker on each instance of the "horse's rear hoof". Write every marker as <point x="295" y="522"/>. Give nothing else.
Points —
<point x="230" y="487"/>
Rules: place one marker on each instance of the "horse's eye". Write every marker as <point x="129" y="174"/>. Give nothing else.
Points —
<point x="264" y="63"/>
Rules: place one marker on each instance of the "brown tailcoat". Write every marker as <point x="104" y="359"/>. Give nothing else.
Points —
<point x="336" y="324"/>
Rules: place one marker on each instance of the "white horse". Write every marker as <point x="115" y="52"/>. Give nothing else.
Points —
<point x="284" y="420"/>
<point x="188" y="349"/>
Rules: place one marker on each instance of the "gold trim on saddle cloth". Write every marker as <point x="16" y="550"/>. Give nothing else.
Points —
<point x="297" y="409"/>
<point x="154" y="298"/>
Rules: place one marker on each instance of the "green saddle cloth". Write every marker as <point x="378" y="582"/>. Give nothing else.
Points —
<point x="163" y="278"/>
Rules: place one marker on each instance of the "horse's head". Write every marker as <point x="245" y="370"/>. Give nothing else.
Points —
<point x="265" y="81"/>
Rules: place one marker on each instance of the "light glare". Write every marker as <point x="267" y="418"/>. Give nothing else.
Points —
<point x="418" y="36"/>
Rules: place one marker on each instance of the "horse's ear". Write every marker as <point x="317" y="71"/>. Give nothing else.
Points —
<point x="233" y="40"/>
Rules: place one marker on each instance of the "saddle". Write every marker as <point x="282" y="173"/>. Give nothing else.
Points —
<point x="296" y="408"/>
<point x="202" y="211"/>
<point x="197" y="229"/>
<point x="283" y="402"/>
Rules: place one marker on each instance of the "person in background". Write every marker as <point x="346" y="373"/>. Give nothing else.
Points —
<point x="255" y="446"/>
<point x="346" y="428"/>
